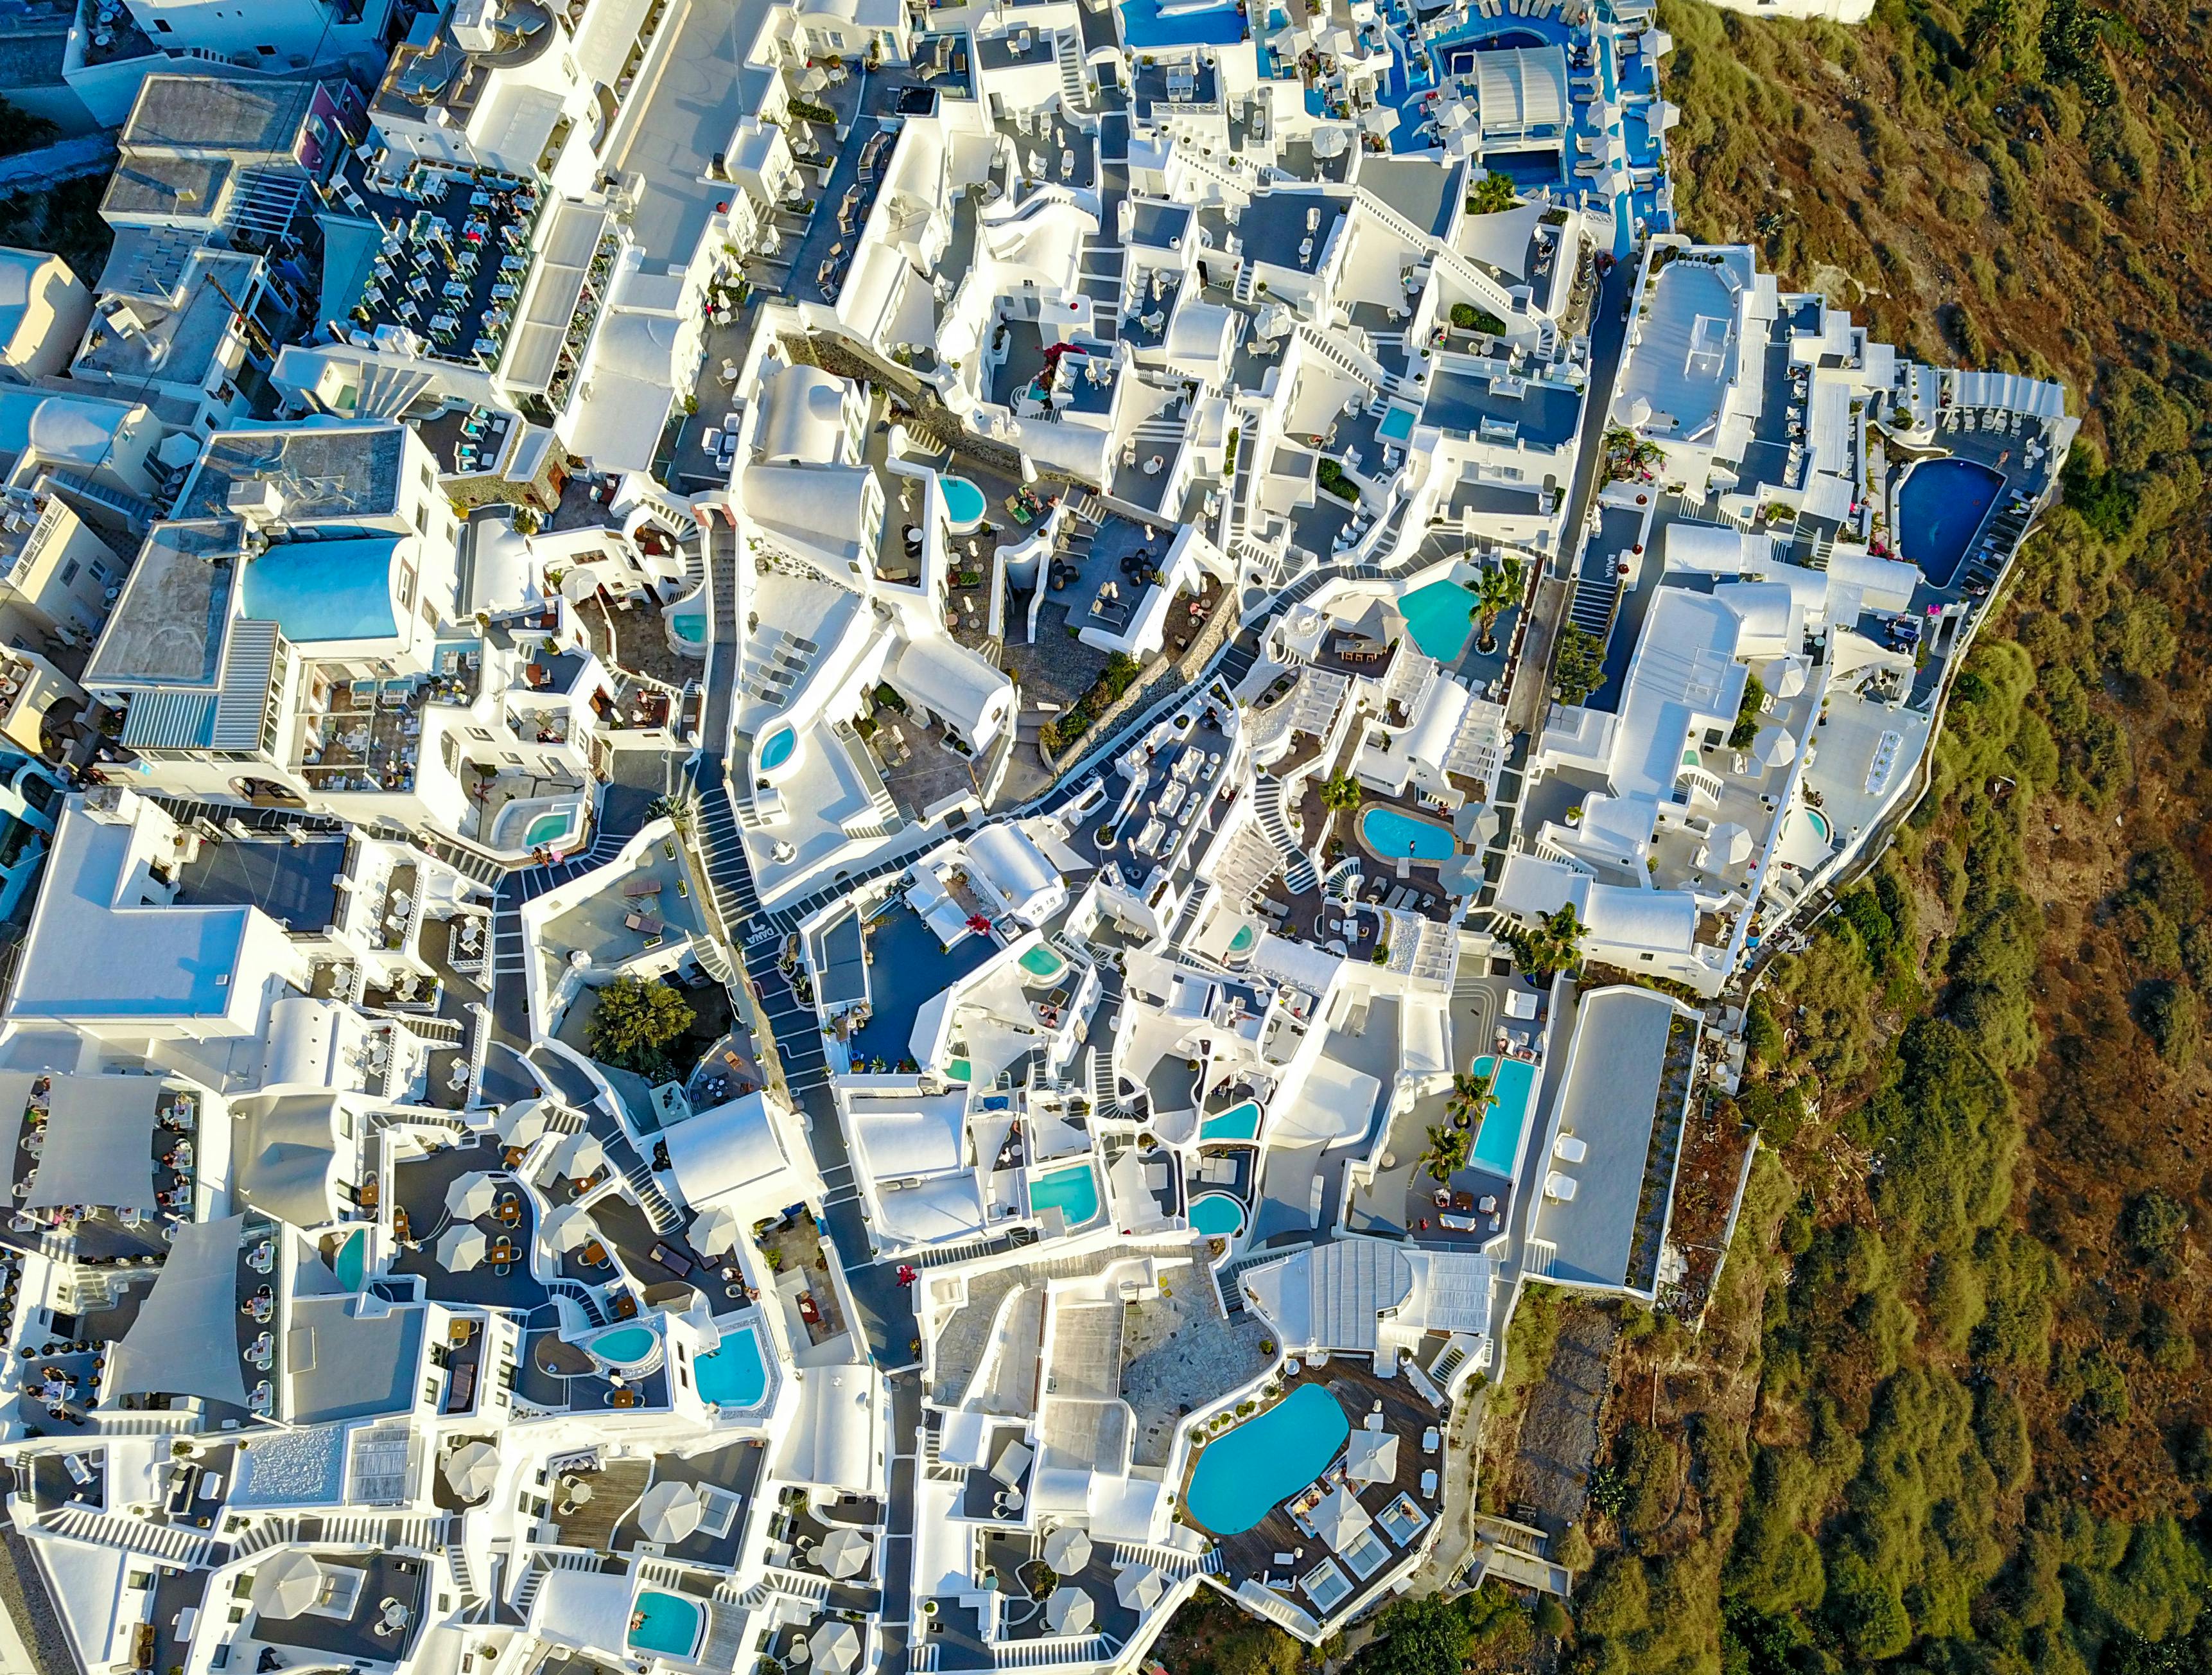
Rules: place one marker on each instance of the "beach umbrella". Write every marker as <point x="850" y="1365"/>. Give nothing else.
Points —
<point x="471" y="1469"/>
<point x="1069" y="1611"/>
<point x="844" y="1551"/>
<point x="1067" y="1549"/>
<point x="461" y="1248"/>
<point x="1785" y="677"/>
<point x="470" y="1196"/>
<point x="286" y="1584"/>
<point x="1340" y="1519"/>
<point x="1730" y="845"/>
<point x="1372" y="1456"/>
<point x="579" y="1155"/>
<point x="669" y="1512"/>
<point x="1329" y="142"/>
<point x="521" y="1123"/>
<point x="836" y="1647"/>
<point x="570" y="1228"/>
<point x="714" y="1231"/>
<point x="1774" y="747"/>
<point x="1139" y="1586"/>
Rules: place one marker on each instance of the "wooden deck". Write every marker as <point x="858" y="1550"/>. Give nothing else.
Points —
<point x="1406" y="1415"/>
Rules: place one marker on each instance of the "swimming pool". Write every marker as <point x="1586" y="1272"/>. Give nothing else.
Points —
<point x="776" y="750"/>
<point x="1818" y="822"/>
<point x="665" y="1623"/>
<point x="1041" y="962"/>
<point x="690" y="626"/>
<point x="352" y="1264"/>
<point x="1397" y="425"/>
<point x="1439" y="617"/>
<point x="1940" y="509"/>
<point x="735" y="1375"/>
<point x="686" y="620"/>
<point x="1243" y="940"/>
<point x="1239" y="1122"/>
<point x="1241" y="1477"/>
<point x="1073" y="1191"/>
<point x="963" y="503"/>
<point x="1216" y="1214"/>
<point x="1148" y="23"/>
<point x="959" y="1069"/>
<point x="1497" y="1142"/>
<point x="625" y="1346"/>
<point x="532" y="823"/>
<point x="1392" y="834"/>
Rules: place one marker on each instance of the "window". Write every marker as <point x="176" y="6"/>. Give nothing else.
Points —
<point x="100" y="572"/>
<point x="266" y="52"/>
<point x="142" y="1579"/>
<point x="421" y="519"/>
<point x="161" y="25"/>
<point x="69" y="572"/>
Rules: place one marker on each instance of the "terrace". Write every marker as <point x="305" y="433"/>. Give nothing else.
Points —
<point x="455" y="255"/>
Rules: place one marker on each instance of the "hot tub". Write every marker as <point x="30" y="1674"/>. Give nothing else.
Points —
<point x="965" y="504"/>
<point x="686" y="622"/>
<point x="554" y="824"/>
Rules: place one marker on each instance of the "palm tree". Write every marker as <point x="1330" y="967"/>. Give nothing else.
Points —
<point x="1470" y="1094"/>
<point x="1554" y="945"/>
<point x="1341" y="791"/>
<point x="1497" y="587"/>
<point x="1447" y="1152"/>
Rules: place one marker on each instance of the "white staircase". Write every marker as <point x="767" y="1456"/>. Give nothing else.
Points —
<point x="1268" y="804"/>
<point x="187" y="1549"/>
<point x="1067" y="47"/>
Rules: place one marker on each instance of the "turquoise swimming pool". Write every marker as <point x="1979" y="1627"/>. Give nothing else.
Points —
<point x="1243" y="1475"/>
<point x="1818" y="822"/>
<point x="1397" y="425"/>
<point x="665" y="1623"/>
<point x="1439" y="617"/>
<point x="776" y="750"/>
<point x="625" y="1346"/>
<point x="1497" y="1143"/>
<point x="1041" y="962"/>
<point x="1243" y="940"/>
<point x="690" y="626"/>
<point x="1216" y="1214"/>
<point x="734" y="1375"/>
<point x="548" y="828"/>
<point x="1239" y="1122"/>
<point x="963" y="503"/>
<point x="352" y="1262"/>
<point x="1073" y="1191"/>
<point x="1392" y="834"/>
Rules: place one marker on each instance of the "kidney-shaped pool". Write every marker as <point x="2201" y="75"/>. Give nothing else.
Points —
<point x="1244" y="1474"/>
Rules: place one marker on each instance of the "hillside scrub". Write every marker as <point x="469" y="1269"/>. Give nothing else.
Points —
<point x="1948" y="1410"/>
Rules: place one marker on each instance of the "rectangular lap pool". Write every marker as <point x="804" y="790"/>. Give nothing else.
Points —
<point x="1497" y="1143"/>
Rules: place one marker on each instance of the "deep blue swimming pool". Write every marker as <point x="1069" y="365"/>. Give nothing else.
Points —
<point x="1940" y="510"/>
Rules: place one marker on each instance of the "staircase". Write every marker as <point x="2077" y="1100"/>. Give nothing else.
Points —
<point x="1171" y="1563"/>
<point x="650" y="1198"/>
<point x="1067" y="47"/>
<point x="1268" y="804"/>
<point x="269" y="1532"/>
<point x="1047" y="1654"/>
<point x="1447" y="1364"/>
<point x="1537" y="1256"/>
<point x="414" y="1535"/>
<point x="581" y="1296"/>
<point x="1597" y="591"/>
<point x="457" y="1560"/>
<point x="187" y="1549"/>
<point x="722" y="856"/>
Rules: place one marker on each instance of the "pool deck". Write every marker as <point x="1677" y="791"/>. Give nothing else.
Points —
<point x="1405" y="1415"/>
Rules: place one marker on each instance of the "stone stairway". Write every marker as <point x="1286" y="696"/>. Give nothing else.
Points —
<point x="1268" y="804"/>
<point x="187" y="1549"/>
<point x="1597" y="591"/>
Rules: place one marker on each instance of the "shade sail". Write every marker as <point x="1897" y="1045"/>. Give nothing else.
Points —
<point x="185" y="1341"/>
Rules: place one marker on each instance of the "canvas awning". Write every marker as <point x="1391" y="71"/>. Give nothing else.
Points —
<point x="99" y="1143"/>
<point x="185" y="1341"/>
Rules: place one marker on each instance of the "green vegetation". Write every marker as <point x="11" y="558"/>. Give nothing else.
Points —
<point x="1120" y="674"/>
<point x="1448" y="1149"/>
<point x="1330" y="475"/>
<point x="1577" y="665"/>
<point x="1496" y="590"/>
<point x="1552" y="945"/>
<point x="1341" y="792"/>
<point x="1465" y="317"/>
<point x="1747" y="714"/>
<point x="1491" y="195"/>
<point x="1432" y="1634"/>
<point x="634" y="1026"/>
